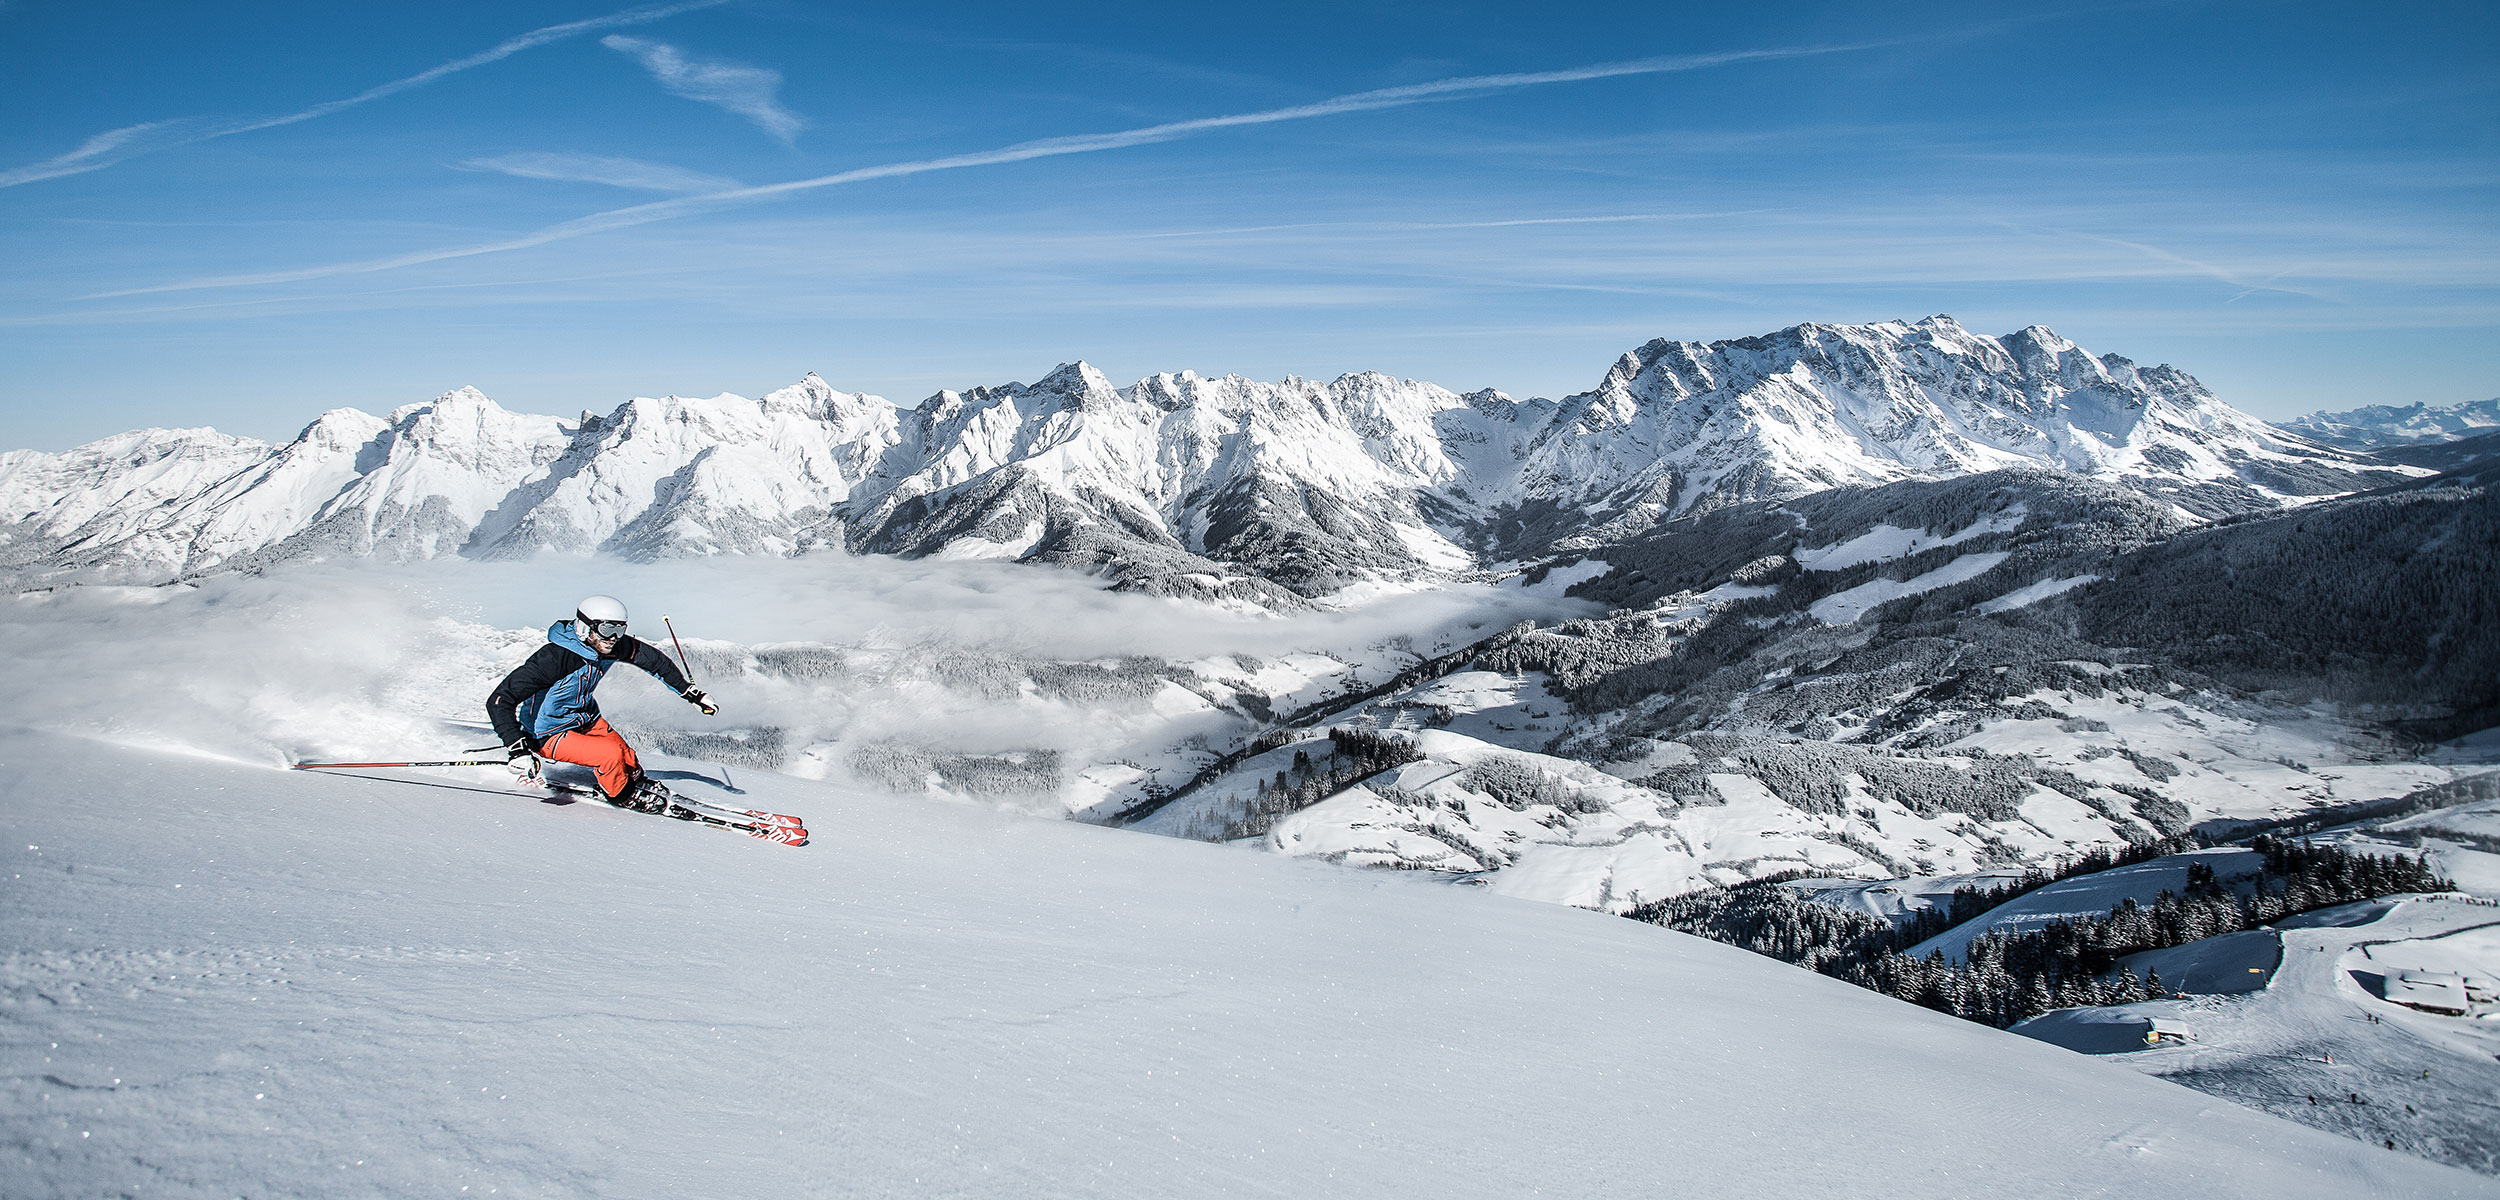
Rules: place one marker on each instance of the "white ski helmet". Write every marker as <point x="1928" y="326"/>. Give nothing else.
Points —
<point x="603" y="615"/>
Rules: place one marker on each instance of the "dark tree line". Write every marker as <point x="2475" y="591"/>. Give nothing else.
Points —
<point x="2006" y="977"/>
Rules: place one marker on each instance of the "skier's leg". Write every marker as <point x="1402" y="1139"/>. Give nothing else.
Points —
<point x="641" y="791"/>
<point x="632" y="762"/>
<point x="600" y="748"/>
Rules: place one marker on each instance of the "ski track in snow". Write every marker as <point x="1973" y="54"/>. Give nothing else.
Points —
<point x="220" y="980"/>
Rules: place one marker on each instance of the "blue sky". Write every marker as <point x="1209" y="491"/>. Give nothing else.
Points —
<point x="241" y="215"/>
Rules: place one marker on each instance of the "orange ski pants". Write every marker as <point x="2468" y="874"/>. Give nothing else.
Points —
<point x="600" y="748"/>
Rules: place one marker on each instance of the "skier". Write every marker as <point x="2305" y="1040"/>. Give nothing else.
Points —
<point x="544" y="709"/>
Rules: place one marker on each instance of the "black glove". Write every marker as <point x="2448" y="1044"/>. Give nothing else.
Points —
<point x="520" y="759"/>
<point x="695" y="697"/>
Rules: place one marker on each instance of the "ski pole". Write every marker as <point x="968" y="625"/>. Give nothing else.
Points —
<point x="681" y="648"/>
<point x="449" y="762"/>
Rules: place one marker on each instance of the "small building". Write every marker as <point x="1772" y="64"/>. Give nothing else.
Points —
<point x="2482" y="989"/>
<point x="2431" y="991"/>
<point x="2158" y="1030"/>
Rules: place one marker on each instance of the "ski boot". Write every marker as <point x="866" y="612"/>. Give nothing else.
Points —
<point x="645" y="794"/>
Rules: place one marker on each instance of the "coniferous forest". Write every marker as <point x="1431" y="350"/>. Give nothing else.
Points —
<point x="2005" y="978"/>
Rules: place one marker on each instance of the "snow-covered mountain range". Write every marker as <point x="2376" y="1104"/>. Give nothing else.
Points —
<point x="1223" y="488"/>
<point x="2379" y="425"/>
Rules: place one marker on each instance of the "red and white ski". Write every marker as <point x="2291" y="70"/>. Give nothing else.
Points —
<point x="782" y="828"/>
<point x="779" y="828"/>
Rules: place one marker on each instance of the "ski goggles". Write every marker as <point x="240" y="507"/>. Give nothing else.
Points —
<point x="605" y="629"/>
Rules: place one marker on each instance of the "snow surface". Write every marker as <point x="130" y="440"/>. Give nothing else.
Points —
<point x="1887" y="542"/>
<point x="2216" y="966"/>
<point x="1845" y="607"/>
<point x="1561" y="579"/>
<point x="2034" y="593"/>
<point x="1898" y="900"/>
<point x="218" y="979"/>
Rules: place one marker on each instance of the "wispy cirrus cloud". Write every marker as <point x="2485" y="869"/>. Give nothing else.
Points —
<point x="629" y="173"/>
<point x="750" y="92"/>
<point x="1352" y="102"/>
<point x="102" y="150"/>
<point x="130" y="141"/>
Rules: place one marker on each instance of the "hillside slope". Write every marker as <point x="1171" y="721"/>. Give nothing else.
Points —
<point x="1926" y="678"/>
<point x="222" y="979"/>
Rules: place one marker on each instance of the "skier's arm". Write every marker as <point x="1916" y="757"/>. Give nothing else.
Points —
<point x="530" y="678"/>
<point x="651" y="658"/>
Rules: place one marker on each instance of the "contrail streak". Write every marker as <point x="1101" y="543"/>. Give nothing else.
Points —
<point x="662" y="210"/>
<point x="100" y="151"/>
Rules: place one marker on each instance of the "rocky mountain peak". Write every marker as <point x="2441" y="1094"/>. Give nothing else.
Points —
<point x="342" y="428"/>
<point x="1076" y="387"/>
<point x="459" y="403"/>
<point x="1493" y="403"/>
<point x="1165" y="391"/>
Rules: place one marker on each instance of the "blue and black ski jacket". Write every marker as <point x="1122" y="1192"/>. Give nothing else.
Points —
<point x="550" y="694"/>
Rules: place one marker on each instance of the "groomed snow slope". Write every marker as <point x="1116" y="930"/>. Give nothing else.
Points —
<point x="218" y="980"/>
